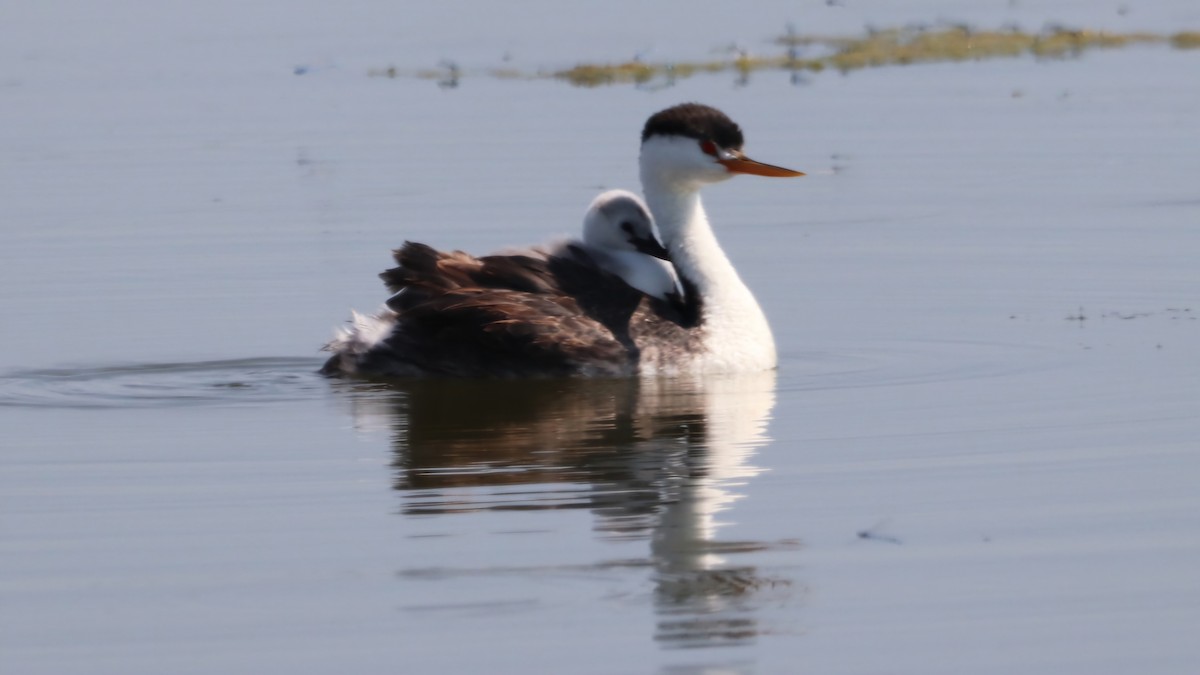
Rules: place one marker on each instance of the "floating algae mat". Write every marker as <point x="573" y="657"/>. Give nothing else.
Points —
<point x="891" y="47"/>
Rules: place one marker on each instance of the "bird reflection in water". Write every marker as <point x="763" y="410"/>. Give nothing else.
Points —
<point x="653" y="460"/>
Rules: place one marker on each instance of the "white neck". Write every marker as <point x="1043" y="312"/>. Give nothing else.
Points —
<point x="737" y="336"/>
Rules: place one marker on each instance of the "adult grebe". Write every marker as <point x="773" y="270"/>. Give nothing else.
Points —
<point x="559" y="312"/>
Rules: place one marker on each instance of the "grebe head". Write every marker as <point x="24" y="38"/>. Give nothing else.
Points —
<point x="690" y="145"/>
<point x="619" y="220"/>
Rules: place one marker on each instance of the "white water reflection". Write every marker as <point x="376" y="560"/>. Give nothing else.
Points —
<point x="659" y="460"/>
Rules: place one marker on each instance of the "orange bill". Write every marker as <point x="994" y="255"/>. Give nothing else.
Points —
<point x="736" y="162"/>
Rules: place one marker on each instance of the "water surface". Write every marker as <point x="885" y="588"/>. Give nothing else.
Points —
<point x="978" y="453"/>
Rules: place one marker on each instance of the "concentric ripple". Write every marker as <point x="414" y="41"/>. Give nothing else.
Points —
<point x="154" y="385"/>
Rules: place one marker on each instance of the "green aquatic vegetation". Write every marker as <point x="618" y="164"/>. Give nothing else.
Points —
<point x="876" y="49"/>
<point x="594" y="75"/>
<point x="1063" y="43"/>
<point x="903" y="46"/>
<point x="1188" y="39"/>
<point x="637" y="72"/>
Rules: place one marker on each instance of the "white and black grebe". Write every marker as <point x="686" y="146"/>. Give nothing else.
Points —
<point x="560" y="311"/>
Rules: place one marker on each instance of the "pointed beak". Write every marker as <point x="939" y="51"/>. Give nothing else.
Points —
<point x="735" y="162"/>
<point x="650" y="246"/>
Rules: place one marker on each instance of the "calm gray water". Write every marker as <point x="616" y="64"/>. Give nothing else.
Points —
<point x="979" y="453"/>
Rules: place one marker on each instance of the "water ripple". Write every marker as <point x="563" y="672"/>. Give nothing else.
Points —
<point x="158" y="385"/>
<point x="899" y="363"/>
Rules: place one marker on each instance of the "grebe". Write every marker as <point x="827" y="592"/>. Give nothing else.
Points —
<point x="619" y="234"/>
<point x="560" y="312"/>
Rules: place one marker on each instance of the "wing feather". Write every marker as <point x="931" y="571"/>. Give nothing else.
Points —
<point x="537" y="312"/>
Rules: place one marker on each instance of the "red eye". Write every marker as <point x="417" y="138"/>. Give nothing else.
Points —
<point x="709" y="148"/>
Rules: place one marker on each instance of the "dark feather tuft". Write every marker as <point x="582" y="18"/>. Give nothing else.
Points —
<point x="698" y="121"/>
